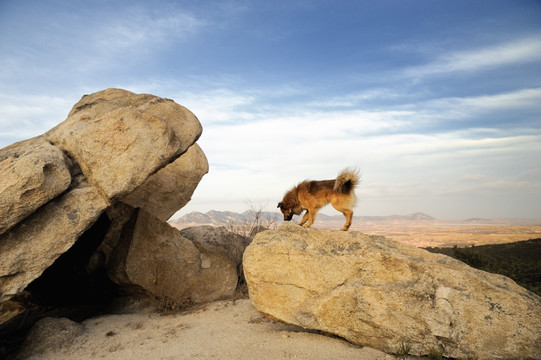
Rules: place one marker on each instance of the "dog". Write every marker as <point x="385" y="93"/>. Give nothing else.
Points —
<point x="312" y="195"/>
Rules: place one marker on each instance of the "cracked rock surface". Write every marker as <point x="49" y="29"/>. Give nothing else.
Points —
<point x="380" y="293"/>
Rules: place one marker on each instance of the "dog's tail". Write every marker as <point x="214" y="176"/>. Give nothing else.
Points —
<point x="346" y="181"/>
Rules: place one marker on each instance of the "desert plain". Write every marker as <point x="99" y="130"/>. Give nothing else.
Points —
<point x="439" y="233"/>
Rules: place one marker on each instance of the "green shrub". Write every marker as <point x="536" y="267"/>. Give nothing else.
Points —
<point x="435" y="354"/>
<point x="404" y="348"/>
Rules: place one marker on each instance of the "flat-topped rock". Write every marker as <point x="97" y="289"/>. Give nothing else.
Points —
<point x="381" y="293"/>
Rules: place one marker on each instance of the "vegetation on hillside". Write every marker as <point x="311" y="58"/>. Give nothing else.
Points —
<point x="520" y="261"/>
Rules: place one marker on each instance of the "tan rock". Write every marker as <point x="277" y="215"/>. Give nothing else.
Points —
<point x="380" y="293"/>
<point x="32" y="172"/>
<point x="50" y="334"/>
<point x="232" y="245"/>
<point x="34" y="244"/>
<point x="119" y="138"/>
<point x="154" y="259"/>
<point x="183" y="122"/>
<point x="169" y="189"/>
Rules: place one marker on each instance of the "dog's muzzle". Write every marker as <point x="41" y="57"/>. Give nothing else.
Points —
<point x="288" y="217"/>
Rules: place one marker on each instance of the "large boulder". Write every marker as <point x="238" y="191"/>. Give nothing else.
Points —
<point x="380" y="293"/>
<point x="153" y="258"/>
<point x="32" y="172"/>
<point x="119" y="138"/>
<point x="169" y="189"/>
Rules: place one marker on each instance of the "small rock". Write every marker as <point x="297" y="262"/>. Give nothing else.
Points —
<point x="50" y="335"/>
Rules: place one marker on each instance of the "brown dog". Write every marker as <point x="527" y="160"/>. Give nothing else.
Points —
<point x="313" y="195"/>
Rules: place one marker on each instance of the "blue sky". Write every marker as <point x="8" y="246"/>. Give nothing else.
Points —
<point x="438" y="103"/>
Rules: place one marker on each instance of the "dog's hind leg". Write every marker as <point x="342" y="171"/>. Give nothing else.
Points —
<point x="348" y="213"/>
<point x="349" y="217"/>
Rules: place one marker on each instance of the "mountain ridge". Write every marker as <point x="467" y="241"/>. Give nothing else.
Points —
<point x="223" y="218"/>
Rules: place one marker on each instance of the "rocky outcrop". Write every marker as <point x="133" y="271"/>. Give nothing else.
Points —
<point x="380" y="293"/>
<point x="85" y="181"/>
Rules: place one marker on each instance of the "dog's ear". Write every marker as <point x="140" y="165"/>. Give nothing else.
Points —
<point x="279" y="205"/>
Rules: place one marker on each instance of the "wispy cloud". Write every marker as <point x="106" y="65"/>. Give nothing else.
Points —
<point x="354" y="99"/>
<point x="473" y="178"/>
<point x="143" y="27"/>
<point x="219" y="105"/>
<point x="484" y="113"/>
<point x="520" y="51"/>
<point x="284" y="144"/>
<point x="291" y="133"/>
<point x="31" y="115"/>
<point x="96" y="43"/>
<point x="231" y="107"/>
<point x="519" y="99"/>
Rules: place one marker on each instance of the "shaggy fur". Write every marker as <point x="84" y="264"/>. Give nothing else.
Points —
<point x="311" y="195"/>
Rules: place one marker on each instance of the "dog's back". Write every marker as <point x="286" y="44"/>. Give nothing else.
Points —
<point x="344" y="183"/>
<point x="318" y="186"/>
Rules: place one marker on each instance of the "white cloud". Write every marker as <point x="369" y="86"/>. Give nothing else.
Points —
<point x="519" y="99"/>
<point x="32" y="115"/>
<point x="243" y="113"/>
<point x="260" y="159"/>
<point x="218" y="106"/>
<point x="357" y="98"/>
<point x="142" y="27"/>
<point x="84" y="47"/>
<point x="516" y="52"/>
<point x="473" y="178"/>
<point x="232" y="121"/>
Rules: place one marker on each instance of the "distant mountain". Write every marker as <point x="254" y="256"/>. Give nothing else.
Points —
<point x="224" y="218"/>
<point x="477" y="220"/>
<point x="418" y="216"/>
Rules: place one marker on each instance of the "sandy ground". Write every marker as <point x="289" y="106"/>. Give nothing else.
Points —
<point x="219" y="330"/>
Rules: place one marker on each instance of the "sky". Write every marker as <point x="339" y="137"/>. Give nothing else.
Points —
<point x="437" y="103"/>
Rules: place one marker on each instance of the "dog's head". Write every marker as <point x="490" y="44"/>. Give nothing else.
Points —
<point x="287" y="211"/>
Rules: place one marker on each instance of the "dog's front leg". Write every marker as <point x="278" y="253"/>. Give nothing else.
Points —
<point x="311" y="217"/>
<point x="304" y="218"/>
